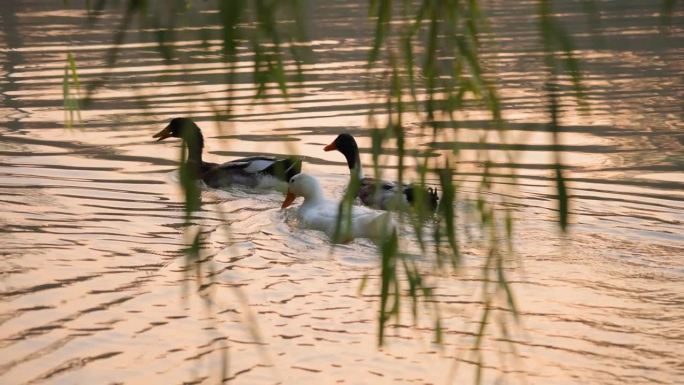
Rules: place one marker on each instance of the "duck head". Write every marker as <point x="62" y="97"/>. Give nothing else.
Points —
<point x="189" y="132"/>
<point x="183" y="128"/>
<point x="346" y="144"/>
<point x="302" y="185"/>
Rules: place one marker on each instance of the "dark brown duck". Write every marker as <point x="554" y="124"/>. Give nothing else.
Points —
<point x="381" y="194"/>
<point x="256" y="171"/>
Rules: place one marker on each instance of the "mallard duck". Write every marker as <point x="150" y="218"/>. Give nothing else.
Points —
<point x="256" y="171"/>
<point x="321" y="214"/>
<point x="375" y="193"/>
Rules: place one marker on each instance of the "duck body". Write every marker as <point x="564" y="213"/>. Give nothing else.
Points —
<point x="257" y="171"/>
<point x="385" y="195"/>
<point x="381" y="194"/>
<point x="319" y="213"/>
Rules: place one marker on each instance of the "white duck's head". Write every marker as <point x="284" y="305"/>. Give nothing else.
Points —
<point x="302" y="185"/>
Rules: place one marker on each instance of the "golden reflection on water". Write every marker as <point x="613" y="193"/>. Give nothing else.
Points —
<point x="95" y="289"/>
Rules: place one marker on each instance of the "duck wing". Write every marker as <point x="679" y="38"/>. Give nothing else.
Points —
<point x="378" y="193"/>
<point x="252" y="164"/>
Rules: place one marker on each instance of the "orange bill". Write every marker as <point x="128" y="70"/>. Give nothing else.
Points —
<point x="163" y="134"/>
<point x="330" y="147"/>
<point x="289" y="198"/>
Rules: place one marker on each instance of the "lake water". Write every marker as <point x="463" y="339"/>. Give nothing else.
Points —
<point x="95" y="288"/>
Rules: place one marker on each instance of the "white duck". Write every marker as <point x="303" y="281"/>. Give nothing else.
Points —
<point x="319" y="213"/>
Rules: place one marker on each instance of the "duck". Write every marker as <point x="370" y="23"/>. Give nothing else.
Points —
<point x="255" y="171"/>
<point x="319" y="213"/>
<point x="381" y="194"/>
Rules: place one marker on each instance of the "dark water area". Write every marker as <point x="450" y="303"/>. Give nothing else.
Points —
<point x="94" y="286"/>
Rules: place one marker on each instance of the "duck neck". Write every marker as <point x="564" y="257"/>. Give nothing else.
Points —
<point x="195" y="142"/>
<point x="358" y="170"/>
<point x="354" y="161"/>
<point x="314" y="195"/>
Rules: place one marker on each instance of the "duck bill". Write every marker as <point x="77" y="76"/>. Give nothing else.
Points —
<point x="163" y="134"/>
<point x="330" y="147"/>
<point x="289" y="198"/>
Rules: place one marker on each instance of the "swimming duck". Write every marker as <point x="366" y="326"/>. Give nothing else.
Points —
<point x="321" y="214"/>
<point x="380" y="194"/>
<point x="256" y="171"/>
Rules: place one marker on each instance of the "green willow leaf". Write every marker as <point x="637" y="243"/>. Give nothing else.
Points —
<point x="563" y="201"/>
<point x="388" y="278"/>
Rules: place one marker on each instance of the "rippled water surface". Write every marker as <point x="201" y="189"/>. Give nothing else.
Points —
<point x="94" y="287"/>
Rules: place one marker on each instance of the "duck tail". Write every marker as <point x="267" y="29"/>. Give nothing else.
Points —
<point x="429" y="196"/>
<point x="293" y="167"/>
<point x="285" y="169"/>
<point x="433" y="198"/>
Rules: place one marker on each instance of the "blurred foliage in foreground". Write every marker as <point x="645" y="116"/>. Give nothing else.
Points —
<point x="428" y="53"/>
